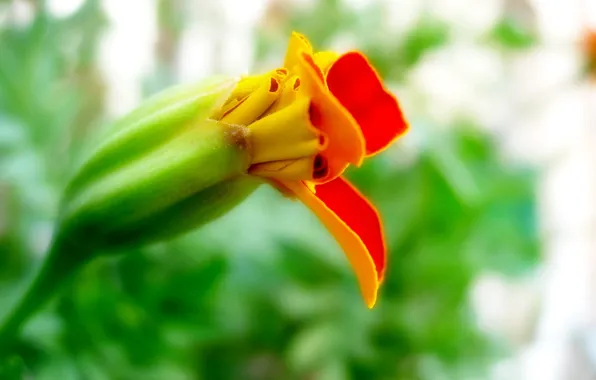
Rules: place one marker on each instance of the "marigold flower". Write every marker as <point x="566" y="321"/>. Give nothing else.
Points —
<point x="308" y="121"/>
<point x="190" y="154"/>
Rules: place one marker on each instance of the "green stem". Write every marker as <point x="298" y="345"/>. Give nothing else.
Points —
<point x="59" y="265"/>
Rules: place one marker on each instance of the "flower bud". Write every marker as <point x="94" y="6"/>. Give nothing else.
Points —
<point x="165" y="168"/>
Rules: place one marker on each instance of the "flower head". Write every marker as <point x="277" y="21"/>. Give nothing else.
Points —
<point x="308" y="121"/>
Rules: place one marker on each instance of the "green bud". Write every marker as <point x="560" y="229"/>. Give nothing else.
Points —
<point x="165" y="168"/>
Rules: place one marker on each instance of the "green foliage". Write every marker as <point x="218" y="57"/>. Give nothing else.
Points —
<point x="49" y="98"/>
<point x="12" y="368"/>
<point x="509" y="34"/>
<point x="263" y="293"/>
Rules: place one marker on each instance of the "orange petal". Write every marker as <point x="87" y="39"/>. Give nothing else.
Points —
<point x="346" y="143"/>
<point x="357" y="86"/>
<point x="359" y="214"/>
<point x="354" y="223"/>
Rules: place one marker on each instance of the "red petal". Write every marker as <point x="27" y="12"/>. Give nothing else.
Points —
<point x="357" y="86"/>
<point x="359" y="214"/>
<point x="328" y="205"/>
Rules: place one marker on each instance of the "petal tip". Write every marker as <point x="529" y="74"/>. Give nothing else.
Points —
<point x="371" y="300"/>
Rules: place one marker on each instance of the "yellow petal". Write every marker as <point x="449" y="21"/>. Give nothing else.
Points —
<point x="248" y="85"/>
<point x="286" y="170"/>
<point x="288" y="95"/>
<point x="297" y="45"/>
<point x="285" y="135"/>
<point x="256" y="104"/>
<point x="324" y="59"/>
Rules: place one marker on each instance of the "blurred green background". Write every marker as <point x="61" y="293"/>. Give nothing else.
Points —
<point x="264" y="292"/>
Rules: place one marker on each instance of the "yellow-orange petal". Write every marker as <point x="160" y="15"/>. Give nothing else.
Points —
<point x="346" y="142"/>
<point x="359" y="215"/>
<point x="289" y="170"/>
<point x="357" y="86"/>
<point x="355" y="249"/>
<point x="297" y="45"/>
<point x="324" y="59"/>
<point x="254" y="105"/>
<point x="286" y="135"/>
<point x="250" y="84"/>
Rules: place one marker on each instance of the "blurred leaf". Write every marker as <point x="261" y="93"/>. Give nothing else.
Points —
<point x="428" y="34"/>
<point x="512" y="35"/>
<point x="12" y="368"/>
<point x="333" y="370"/>
<point x="313" y="347"/>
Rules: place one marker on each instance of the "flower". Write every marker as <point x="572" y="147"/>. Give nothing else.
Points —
<point x="184" y="157"/>
<point x="588" y="48"/>
<point x="308" y="121"/>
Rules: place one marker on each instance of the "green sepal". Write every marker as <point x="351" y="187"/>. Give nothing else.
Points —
<point x="159" y="119"/>
<point x="162" y="170"/>
<point x="154" y="168"/>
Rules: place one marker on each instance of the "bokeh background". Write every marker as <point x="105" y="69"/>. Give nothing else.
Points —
<point x="489" y="201"/>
